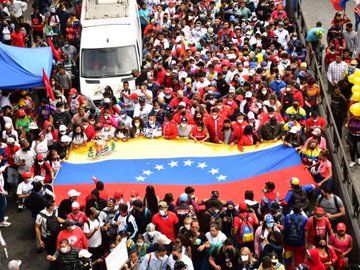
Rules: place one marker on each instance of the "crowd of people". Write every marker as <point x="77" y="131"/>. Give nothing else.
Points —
<point x="213" y="71"/>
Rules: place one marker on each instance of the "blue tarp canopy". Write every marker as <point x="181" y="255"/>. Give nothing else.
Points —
<point x="22" y="67"/>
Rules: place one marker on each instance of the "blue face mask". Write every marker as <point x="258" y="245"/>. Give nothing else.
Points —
<point x="270" y="225"/>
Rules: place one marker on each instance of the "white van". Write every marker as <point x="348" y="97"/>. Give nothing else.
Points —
<point x="111" y="46"/>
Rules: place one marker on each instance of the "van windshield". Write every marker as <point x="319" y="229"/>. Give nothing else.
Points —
<point x="108" y="62"/>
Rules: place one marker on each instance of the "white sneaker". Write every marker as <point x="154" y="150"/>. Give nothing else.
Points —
<point x="6" y="218"/>
<point x="352" y="164"/>
<point x="5" y="224"/>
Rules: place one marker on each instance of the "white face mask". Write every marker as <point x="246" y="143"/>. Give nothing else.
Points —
<point x="162" y="213"/>
<point x="73" y="227"/>
<point x="187" y="226"/>
<point x="183" y="125"/>
<point x="64" y="250"/>
<point x="41" y="162"/>
<point x="244" y="258"/>
<point x="240" y="121"/>
<point x="62" y="110"/>
<point x="264" y="92"/>
<point x="151" y="234"/>
<point x="85" y="126"/>
<point x="137" y="124"/>
<point x="214" y="116"/>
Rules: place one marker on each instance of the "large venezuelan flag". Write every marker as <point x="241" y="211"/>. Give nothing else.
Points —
<point x="172" y="165"/>
<point x="339" y="5"/>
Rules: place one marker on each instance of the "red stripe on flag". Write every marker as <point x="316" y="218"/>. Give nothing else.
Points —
<point x="337" y="5"/>
<point x="55" y="52"/>
<point x="228" y="191"/>
<point x="48" y="87"/>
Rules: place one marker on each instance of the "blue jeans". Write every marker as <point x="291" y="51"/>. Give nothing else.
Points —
<point x="357" y="21"/>
<point x="3" y="204"/>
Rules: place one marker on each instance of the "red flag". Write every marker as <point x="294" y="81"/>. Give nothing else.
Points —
<point x="55" y="52"/>
<point x="337" y="5"/>
<point x="48" y="87"/>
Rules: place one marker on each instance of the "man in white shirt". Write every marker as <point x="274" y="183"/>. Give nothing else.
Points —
<point x="177" y="255"/>
<point x="92" y="230"/>
<point x="17" y="8"/>
<point x="125" y="221"/>
<point x="155" y="260"/>
<point x="142" y="109"/>
<point x="24" y="189"/>
<point x="282" y="34"/>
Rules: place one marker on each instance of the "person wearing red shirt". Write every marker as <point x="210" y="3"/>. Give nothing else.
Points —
<point x="327" y="253"/>
<point x="270" y="114"/>
<point x="43" y="168"/>
<point x="227" y="134"/>
<point x="182" y="113"/>
<point x="248" y="138"/>
<point x="199" y="133"/>
<point x="214" y="123"/>
<point x="239" y="125"/>
<point x="88" y="129"/>
<point x="313" y="260"/>
<point x="18" y="37"/>
<point x="229" y="101"/>
<point x="77" y="216"/>
<point x="74" y="235"/>
<point x="248" y="217"/>
<point x="165" y="221"/>
<point x="224" y="109"/>
<point x="317" y="225"/>
<point x="10" y="149"/>
<point x="169" y="128"/>
<point x="315" y="121"/>
<point x="178" y="99"/>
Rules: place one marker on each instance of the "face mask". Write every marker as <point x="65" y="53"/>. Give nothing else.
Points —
<point x="92" y="122"/>
<point x="62" y="132"/>
<point x="264" y="92"/>
<point x="139" y="244"/>
<point x="212" y="102"/>
<point x="321" y="245"/>
<point x="240" y="121"/>
<point x="280" y="29"/>
<point x="175" y="257"/>
<point x="167" y="96"/>
<point x="52" y="82"/>
<point x="187" y="226"/>
<point x="211" y="92"/>
<point x="151" y="234"/>
<point x="85" y="126"/>
<point x="264" y="190"/>
<point x="137" y="124"/>
<point x="150" y="84"/>
<point x="106" y="116"/>
<point x="229" y="102"/>
<point x="270" y="225"/>
<point x="151" y="123"/>
<point x="62" y="110"/>
<point x="26" y="148"/>
<point x="217" y="211"/>
<point x="162" y="213"/>
<point x="64" y="250"/>
<point x="183" y="125"/>
<point x="296" y="106"/>
<point x="244" y="258"/>
<point x="278" y="81"/>
<point x="219" y="107"/>
<point x="294" y="38"/>
<point x="332" y="52"/>
<point x="73" y="227"/>
<point x="214" y="116"/>
<point x="66" y="46"/>
<point x="41" y="163"/>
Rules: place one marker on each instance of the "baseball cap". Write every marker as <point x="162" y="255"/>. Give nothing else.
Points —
<point x="73" y="193"/>
<point x="294" y="130"/>
<point x="231" y="89"/>
<point x="65" y="138"/>
<point x="354" y="62"/>
<point x="302" y="266"/>
<point x="62" y="128"/>
<point x="38" y="178"/>
<point x="8" y="125"/>
<point x="341" y="227"/>
<point x="75" y="205"/>
<point x="133" y="96"/>
<point x="14" y="264"/>
<point x="27" y="175"/>
<point x="134" y="193"/>
<point x="215" y="193"/>
<point x="21" y="112"/>
<point x="10" y="140"/>
<point x="84" y="253"/>
<point x="188" y="80"/>
<point x="294" y="181"/>
<point x="316" y="131"/>
<point x="248" y="94"/>
<point x="118" y="194"/>
<point x="33" y="125"/>
<point x="243" y="206"/>
<point x="163" y="204"/>
<point x="269" y="218"/>
<point x="303" y="65"/>
<point x="319" y="211"/>
<point x="69" y="222"/>
<point x="72" y="91"/>
<point x="107" y="100"/>
<point x="163" y="240"/>
<point x="39" y="157"/>
<point x="179" y="265"/>
<point x="183" y="197"/>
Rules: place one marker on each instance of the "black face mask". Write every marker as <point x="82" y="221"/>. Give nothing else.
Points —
<point x="175" y="257"/>
<point x="226" y="128"/>
<point x="296" y="106"/>
<point x="26" y="149"/>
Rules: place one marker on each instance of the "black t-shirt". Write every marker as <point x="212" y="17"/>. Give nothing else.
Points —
<point x="226" y="259"/>
<point x="195" y="244"/>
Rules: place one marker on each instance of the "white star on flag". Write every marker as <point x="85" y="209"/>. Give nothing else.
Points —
<point x="173" y="164"/>
<point x="214" y="171"/>
<point x="221" y="177"/>
<point x="188" y="162"/>
<point x="147" y="172"/>
<point x="140" y="178"/>
<point x="159" y="167"/>
<point x="202" y="165"/>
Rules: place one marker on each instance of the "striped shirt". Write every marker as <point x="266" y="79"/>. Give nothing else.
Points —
<point x="336" y="71"/>
<point x="67" y="260"/>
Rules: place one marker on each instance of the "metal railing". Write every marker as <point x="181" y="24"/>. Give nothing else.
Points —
<point x="350" y="192"/>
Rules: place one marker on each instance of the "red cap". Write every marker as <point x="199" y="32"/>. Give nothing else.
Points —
<point x="341" y="227"/>
<point x="319" y="211"/>
<point x="108" y="123"/>
<point x="72" y="91"/>
<point x="27" y="175"/>
<point x="39" y="157"/>
<point x="118" y="194"/>
<point x="21" y="112"/>
<point x="167" y="91"/>
<point x="134" y="193"/>
<point x="133" y="96"/>
<point x="243" y="206"/>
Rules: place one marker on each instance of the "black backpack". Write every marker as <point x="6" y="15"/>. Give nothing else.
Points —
<point x="294" y="232"/>
<point x="288" y="100"/>
<point x="335" y="202"/>
<point x="301" y="199"/>
<point x="129" y="228"/>
<point x="52" y="223"/>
